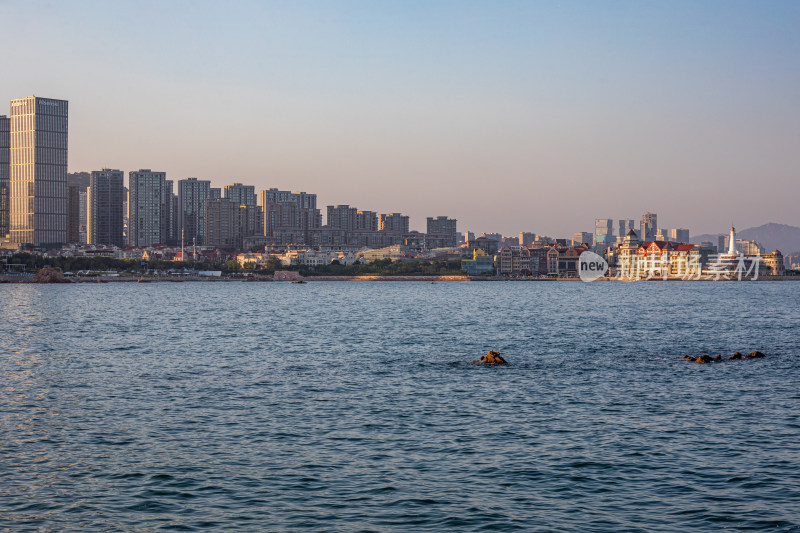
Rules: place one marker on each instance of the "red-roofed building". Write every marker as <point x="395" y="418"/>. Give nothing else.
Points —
<point x="666" y="259"/>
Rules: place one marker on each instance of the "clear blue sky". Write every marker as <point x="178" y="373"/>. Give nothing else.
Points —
<point x="510" y="116"/>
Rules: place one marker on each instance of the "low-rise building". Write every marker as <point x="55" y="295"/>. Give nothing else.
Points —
<point x="397" y="252"/>
<point x="514" y="261"/>
<point x="481" y="263"/>
<point x="774" y="263"/>
<point x="562" y="261"/>
<point x="489" y="245"/>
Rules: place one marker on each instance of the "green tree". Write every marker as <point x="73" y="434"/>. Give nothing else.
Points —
<point x="231" y="265"/>
<point x="273" y="263"/>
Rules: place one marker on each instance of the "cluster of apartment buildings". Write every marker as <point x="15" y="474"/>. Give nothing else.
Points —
<point x="40" y="208"/>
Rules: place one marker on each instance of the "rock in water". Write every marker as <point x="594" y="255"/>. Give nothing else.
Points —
<point x="703" y="359"/>
<point x="755" y="355"/>
<point x="718" y="357"/>
<point x="493" y="358"/>
<point x="736" y="355"/>
<point x="49" y="275"/>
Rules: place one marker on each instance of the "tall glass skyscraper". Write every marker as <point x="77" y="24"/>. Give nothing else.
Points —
<point x="39" y="170"/>
<point x="5" y="173"/>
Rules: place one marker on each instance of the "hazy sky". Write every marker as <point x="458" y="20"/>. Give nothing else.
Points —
<point x="509" y="116"/>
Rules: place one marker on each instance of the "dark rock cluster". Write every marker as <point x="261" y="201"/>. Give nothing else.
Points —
<point x="492" y="358"/>
<point x="708" y="359"/>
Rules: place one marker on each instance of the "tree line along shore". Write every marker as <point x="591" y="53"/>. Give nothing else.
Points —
<point x="22" y="268"/>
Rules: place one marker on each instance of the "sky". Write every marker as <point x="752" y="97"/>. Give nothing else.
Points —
<point x="508" y="116"/>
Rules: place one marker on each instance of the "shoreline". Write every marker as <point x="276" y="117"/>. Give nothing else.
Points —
<point x="29" y="279"/>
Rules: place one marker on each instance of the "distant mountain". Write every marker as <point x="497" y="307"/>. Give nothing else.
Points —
<point x="772" y="236"/>
<point x="710" y="237"/>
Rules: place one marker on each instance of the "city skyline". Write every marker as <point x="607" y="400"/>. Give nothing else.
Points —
<point x="467" y="109"/>
<point x="612" y="227"/>
<point x="187" y="208"/>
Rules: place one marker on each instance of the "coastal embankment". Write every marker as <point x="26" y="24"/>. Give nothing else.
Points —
<point x="375" y="278"/>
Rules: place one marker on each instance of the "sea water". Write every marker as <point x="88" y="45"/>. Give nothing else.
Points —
<point x="335" y="406"/>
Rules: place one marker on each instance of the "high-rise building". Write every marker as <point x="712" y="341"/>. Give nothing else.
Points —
<point x="5" y="173"/>
<point x="172" y="235"/>
<point x="105" y="199"/>
<point x="603" y="233"/>
<point x="294" y="212"/>
<point x="192" y="195"/>
<point x="679" y="235"/>
<point x="147" y="211"/>
<point x="125" y="216"/>
<point x="603" y="226"/>
<point x="442" y="225"/>
<point x="241" y="194"/>
<point x="342" y="217"/>
<point x="749" y="247"/>
<point x="625" y="225"/>
<point x="77" y="184"/>
<point x="303" y="200"/>
<point x="251" y="221"/>
<point x="367" y="220"/>
<point x="583" y="237"/>
<point x="81" y="214"/>
<point x="525" y="238"/>
<point x="647" y="230"/>
<point x="393" y="223"/>
<point x="228" y="223"/>
<point x="74" y="213"/>
<point x="38" y="178"/>
<point x="222" y="223"/>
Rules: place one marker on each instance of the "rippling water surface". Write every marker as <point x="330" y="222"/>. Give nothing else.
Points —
<point x="352" y="407"/>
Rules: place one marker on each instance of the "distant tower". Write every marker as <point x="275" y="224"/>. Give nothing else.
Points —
<point x="732" y="242"/>
<point x="648" y="226"/>
<point x="625" y="225"/>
